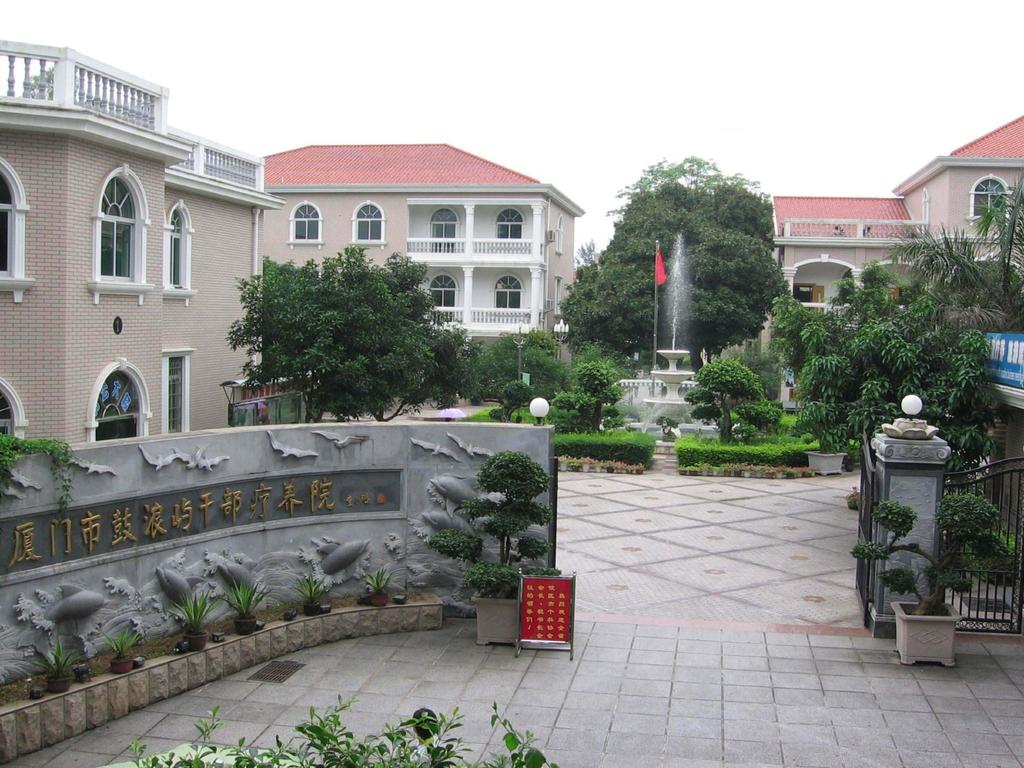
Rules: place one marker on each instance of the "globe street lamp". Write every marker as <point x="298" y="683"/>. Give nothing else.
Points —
<point x="539" y="409"/>
<point x="520" y="342"/>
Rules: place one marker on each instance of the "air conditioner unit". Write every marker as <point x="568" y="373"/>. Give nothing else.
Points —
<point x="550" y="236"/>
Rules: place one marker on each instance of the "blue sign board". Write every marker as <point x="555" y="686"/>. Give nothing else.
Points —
<point x="1006" y="359"/>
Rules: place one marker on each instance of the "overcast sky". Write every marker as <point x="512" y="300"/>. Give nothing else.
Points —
<point x="808" y="98"/>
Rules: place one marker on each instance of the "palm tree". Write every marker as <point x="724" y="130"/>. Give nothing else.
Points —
<point x="976" y="277"/>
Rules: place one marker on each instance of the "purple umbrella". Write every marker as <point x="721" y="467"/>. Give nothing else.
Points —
<point x="450" y="414"/>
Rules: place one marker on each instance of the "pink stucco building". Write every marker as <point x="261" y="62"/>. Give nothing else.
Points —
<point x="498" y="244"/>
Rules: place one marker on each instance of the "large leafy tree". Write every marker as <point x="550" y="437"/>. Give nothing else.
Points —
<point x="353" y="337"/>
<point x="856" y="362"/>
<point x="497" y="364"/>
<point x="722" y="385"/>
<point x="976" y="278"/>
<point x="727" y="225"/>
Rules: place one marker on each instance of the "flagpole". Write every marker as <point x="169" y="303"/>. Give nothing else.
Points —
<point x="654" y="351"/>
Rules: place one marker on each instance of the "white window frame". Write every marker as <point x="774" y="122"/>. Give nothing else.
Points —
<point x="521" y="223"/>
<point x="136" y="285"/>
<point x="508" y="291"/>
<point x="185" y="353"/>
<point x="430" y="287"/>
<point x="292" y="240"/>
<point x="560" y="236"/>
<point x="1006" y="190"/>
<point x="383" y="224"/>
<point x="13" y="278"/>
<point x="558" y="294"/>
<point x="135" y="374"/>
<point x="19" y="422"/>
<point x="172" y="291"/>
<point x="926" y="206"/>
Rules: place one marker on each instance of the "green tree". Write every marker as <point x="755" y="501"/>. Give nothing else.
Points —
<point x="353" y="337"/>
<point x="595" y="385"/>
<point x="727" y="224"/>
<point x="856" y="362"/>
<point x="496" y="366"/>
<point x="722" y="385"/>
<point x="976" y="278"/>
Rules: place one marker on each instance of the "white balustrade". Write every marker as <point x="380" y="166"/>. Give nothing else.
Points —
<point x="502" y="317"/>
<point x="29" y="77"/>
<point x="436" y="245"/>
<point x="106" y="95"/>
<point x="863" y="229"/>
<point x="227" y="167"/>
<point x="448" y="314"/>
<point x="504" y="247"/>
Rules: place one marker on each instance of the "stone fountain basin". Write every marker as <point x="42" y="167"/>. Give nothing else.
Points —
<point x="673" y="377"/>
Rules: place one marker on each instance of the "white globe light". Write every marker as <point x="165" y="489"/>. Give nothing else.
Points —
<point x="539" y="407"/>
<point x="911" y="405"/>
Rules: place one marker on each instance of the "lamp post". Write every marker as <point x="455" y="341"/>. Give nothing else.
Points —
<point x="539" y="409"/>
<point x="561" y="332"/>
<point x="520" y="342"/>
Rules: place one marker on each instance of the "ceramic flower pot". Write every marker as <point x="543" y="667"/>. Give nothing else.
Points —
<point x="378" y="599"/>
<point x="197" y="642"/>
<point x="60" y="684"/>
<point x="245" y="626"/>
<point x="925" y="638"/>
<point x="825" y="463"/>
<point x="120" y="666"/>
<point x="496" y="620"/>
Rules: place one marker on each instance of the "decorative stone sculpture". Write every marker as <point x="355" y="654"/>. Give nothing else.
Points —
<point x="472" y="450"/>
<point x="339" y="441"/>
<point x="289" y="452"/>
<point x="434" y="449"/>
<point x="910" y="428"/>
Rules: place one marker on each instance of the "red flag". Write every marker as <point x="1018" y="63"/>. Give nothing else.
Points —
<point x="660" y="278"/>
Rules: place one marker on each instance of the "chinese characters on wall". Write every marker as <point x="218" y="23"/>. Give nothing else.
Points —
<point x="44" y="539"/>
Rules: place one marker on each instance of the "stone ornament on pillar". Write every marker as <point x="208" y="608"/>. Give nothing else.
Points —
<point x="911" y="428"/>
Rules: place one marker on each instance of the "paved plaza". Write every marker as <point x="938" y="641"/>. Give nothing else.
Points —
<point x="713" y="549"/>
<point x="636" y="695"/>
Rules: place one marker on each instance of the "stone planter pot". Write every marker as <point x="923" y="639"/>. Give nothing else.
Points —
<point x="496" y="620"/>
<point x="120" y="666"/>
<point x="61" y="684"/>
<point x="825" y="463"/>
<point x="311" y="609"/>
<point x="925" y="638"/>
<point x="197" y="642"/>
<point x="378" y="599"/>
<point x="245" y="626"/>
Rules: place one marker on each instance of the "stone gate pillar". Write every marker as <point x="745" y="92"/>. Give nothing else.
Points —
<point x="910" y="472"/>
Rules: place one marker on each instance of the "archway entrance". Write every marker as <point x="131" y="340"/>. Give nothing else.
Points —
<point x="117" y="408"/>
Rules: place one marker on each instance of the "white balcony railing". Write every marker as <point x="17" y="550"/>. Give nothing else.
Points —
<point x="861" y="229"/>
<point x="65" y="78"/>
<point x="218" y="162"/>
<point x="448" y="314"/>
<point x="503" y="246"/>
<point x="500" y="317"/>
<point x="436" y="245"/>
<point x="424" y="246"/>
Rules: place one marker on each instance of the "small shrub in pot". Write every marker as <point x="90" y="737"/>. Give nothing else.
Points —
<point x="378" y="583"/>
<point x="312" y="590"/>
<point x="57" y="666"/>
<point x="192" y="611"/>
<point x="120" y="644"/>
<point x="244" y="599"/>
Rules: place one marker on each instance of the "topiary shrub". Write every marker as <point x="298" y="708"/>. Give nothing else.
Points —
<point x="691" y="451"/>
<point x="722" y="385"/>
<point x="516" y="394"/>
<point x="627" y="447"/>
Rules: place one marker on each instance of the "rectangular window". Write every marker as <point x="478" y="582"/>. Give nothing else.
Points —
<point x="116" y="249"/>
<point x="368" y="230"/>
<point x="176" y="262"/>
<point x="5" y="240"/>
<point x="175" y="393"/>
<point x="307" y="230"/>
<point x="809" y="293"/>
<point x="558" y="295"/>
<point x="5" y="427"/>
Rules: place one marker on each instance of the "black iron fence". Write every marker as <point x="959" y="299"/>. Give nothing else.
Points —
<point x="866" y="528"/>
<point x="994" y="601"/>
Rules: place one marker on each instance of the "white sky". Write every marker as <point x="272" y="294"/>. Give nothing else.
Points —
<point x="805" y="97"/>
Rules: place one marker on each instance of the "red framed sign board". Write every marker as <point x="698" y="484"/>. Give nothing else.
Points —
<point x="547" y="613"/>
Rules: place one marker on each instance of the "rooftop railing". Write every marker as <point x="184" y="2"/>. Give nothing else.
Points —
<point x="860" y="229"/>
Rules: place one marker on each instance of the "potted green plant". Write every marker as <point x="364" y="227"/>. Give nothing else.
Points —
<point x="512" y="482"/>
<point x="243" y="599"/>
<point x="827" y="423"/>
<point x="378" y="583"/>
<point x="853" y="499"/>
<point x="192" y="611"/>
<point x="57" y="666"/>
<point x="120" y="644"/>
<point x="926" y="630"/>
<point x="311" y="589"/>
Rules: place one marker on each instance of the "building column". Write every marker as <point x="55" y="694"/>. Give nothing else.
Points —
<point x="468" y="231"/>
<point x="467" y="294"/>
<point x="535" y="296"/>
<point x="790" y="274"/>
<point x="539" y="234"/>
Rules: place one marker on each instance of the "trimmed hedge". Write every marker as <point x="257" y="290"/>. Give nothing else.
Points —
<point x="627" y="447"/>
<point x="691" y="451"/>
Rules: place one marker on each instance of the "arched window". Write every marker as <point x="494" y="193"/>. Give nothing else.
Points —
<point x="12" y="233"/>
<point x="508" y="293"/>
<point x="369" y="224"/>
<point x="6" y="228"/>
<point x="443" y="226"/>
<point x="560" y="235"/>
<point x="117" y="408"/>
<point x="177" y="240"/>
<point x="6" y="417"/>
<point x="443" y="289"/>
<point x="510" y="225"/>
<point x="306" y="223"/>
<point x="117" y="231"/>
<point x="986" y="192"/>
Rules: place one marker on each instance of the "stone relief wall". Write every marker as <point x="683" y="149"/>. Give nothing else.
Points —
<point x="151" y="521"/>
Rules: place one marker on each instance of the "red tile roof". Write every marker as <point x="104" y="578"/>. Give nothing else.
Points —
<point x="385" y="164"/>
<point x="889" y="208"/>
<point x="1005" y="141"/>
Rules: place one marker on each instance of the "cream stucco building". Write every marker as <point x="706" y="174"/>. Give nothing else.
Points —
<point x="498" y="244"/>
<point x="121" y="244"/>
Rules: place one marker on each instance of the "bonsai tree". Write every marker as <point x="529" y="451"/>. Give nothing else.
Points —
<point x="966" y="522"/>
<point x="667" y="424"/>
<point x="595" y="385"/>
<point x="722" y="385"/>
<point x="519" y="480"/>
<point x="516" y="395"/>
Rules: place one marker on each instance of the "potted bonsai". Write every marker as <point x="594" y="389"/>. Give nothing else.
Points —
<point x="378" y="583"/>
<point x="243" y="599"/>
<point x="926" y="630"/>
<point x="826" y="422"/>
<point x="517" y="481"/>
<point x="120" y="644"/>
<point x="311" y="589"/>
<point x="57" y="665"/>
<point x="192" y="611"/>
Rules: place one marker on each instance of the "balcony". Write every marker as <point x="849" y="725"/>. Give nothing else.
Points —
<point x="486" y="321"/>
<point x="878" y="230"/>
<point x="479" y="250"/>
<point x="63" y="78"/>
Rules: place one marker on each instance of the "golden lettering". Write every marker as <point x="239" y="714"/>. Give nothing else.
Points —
<point x="260" y="494"/>
<point x="122" y="525"/>
<point x="24" y="544"/>
<point x="64" y="523"/>
<point x="90" y="530"/>
<point x="232" y="504"/>
<point x="290" y="501"/>
<point x="154" y="523"/>
<point x="320" y="495"/>
<point x="364" y="498"/>
<point x="181" y="515"/>
<point x="205" y="503"/>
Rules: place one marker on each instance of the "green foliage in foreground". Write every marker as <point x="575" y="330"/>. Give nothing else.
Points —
<point x="788" y="452"/>
<point x="423" y="740"/>
<point x="14" y="449"/>
<point x="627" y="447"/>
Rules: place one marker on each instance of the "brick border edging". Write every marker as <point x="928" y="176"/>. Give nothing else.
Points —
<point x="31" y="725"/>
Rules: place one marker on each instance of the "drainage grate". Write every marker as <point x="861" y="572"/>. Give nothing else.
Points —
<point x="276" y="671"/>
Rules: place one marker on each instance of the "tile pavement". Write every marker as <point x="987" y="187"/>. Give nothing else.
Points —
<point x="635" y="695"/>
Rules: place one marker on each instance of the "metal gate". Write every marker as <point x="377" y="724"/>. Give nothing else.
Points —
<point x="994" y="602"/>
<point x="866" y="527"/>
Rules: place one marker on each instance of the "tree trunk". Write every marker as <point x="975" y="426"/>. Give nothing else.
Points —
<point x="725" y="423"/>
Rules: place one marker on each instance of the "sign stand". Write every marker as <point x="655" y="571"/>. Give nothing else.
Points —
<point x="546" y="611"/>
